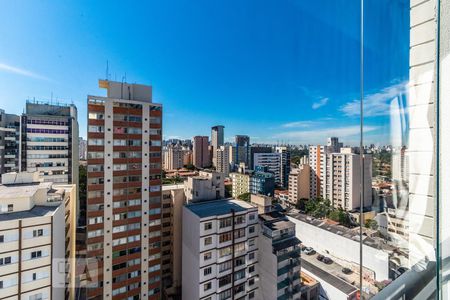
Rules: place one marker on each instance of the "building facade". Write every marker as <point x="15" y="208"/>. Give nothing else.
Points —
<point x="223" y="161"/>
<point x="270" y="160"/>
<point x="37" y="234"/>
<point x="208" y="185"/>
<point x="200" y="154"/>
<point x="240" y="182"/>
<point x="217" y="140"/>
<point x="124" y="192"/>
<point x="262" y="182"/>
<point x="173" y="199"/>
<point x="220" y="250"/>
<point x="299" y="184"/>
<point x="342" y="182"/>
<point x="49" y="134"/>
<point x="173" y="157"/>
<point x="285" y="164"/>
<point x="9" y="142"/>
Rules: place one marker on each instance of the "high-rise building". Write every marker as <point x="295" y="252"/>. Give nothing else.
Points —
<point x="285" y="164"/>
<point x="9" y="142"/>
<point x="82" y="146"/>
<point x="270" y="160"/>
<point x="124" y="192"/>
<point x="317" y="163"/>
<point x="223" y="161"/>
<point x="37" y="237"/>
<point x="208" y="185"/>
<point x="279" y="262"/>
<point x="334" y="145"/>
<point x="242" y="150"/>
<point x="257" y="149"/>
<point x="342" y="183"/>
<point x="200" y="152"/>
<point x="50" y="141"/>
<point x="173" y="157"/>
<point x="299" y="183"/>
<point x="219" y="248"/>
<point x="173" y="199"/>
<point x="217" y="140"/>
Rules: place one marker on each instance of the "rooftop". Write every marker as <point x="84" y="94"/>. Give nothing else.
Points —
<point x="218" y="207"/>
<point x="350" y="233"/>
<point x="168" y="187"/>
<point x="36" y="211"/>
<point x="21" y="190"/>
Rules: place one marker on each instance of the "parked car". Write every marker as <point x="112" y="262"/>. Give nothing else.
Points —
<point x="320" y="257"/>
<point x="347" y="271"/>
<point x="309" y="251"/>
<point x="327" y="260"/>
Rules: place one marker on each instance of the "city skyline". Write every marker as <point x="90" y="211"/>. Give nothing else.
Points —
<point x="272" y="56"/>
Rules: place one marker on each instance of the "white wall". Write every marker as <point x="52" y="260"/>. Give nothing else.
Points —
<point x="190" y="252"/>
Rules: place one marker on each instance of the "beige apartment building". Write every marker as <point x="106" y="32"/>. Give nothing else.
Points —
<point x="299" y="183"/>
<point x="240" y="184"/>
<point x="173" y="199"/>
<point x="173" y="157"/>
<point x="37" y="238"/>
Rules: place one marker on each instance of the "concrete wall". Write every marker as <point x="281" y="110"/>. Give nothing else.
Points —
<point x="341" y="248"/>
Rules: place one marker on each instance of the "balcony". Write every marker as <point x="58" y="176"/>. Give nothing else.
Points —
<point x="294" y="263"/>
<point x="292" y="254"/>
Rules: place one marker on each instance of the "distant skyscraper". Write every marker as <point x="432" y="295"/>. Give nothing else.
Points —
<point x="223" y="160"/>
<point x="217" y="139"/>
<point x="285" y="161"/>
<point x="200" y="154"/>
<point x="242" y="151"/>
<point x="334" y="145"/>
<point x="9" y="142"/>
<point x="82" y="146"/>
<point x="50" y="141"/>
<point x="124" y="192"/>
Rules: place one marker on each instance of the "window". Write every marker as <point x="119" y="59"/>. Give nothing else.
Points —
<point x="251" y="242"/>
<point x="251" y="229"/>
<point x="225" y="237"/>
<point x="251" y="269"/>
<point x="225" y="295"/>
<point x="207" y="286"/>
<point x="224" y="280"/>
<point x="251" y="255"/>
<point x="38" y="232"/>
<point x="225" y="251"/>
<point x="10" y="207"/>
<point x="207" y="271"/>
<point x="208" y="241"/>
<point x="34" y="276"/>
<point x="207" y="256"/>
<point x="2" y="238"/>
<point x="226" y="222"/>
<point x="5" y="260"/>
<point x="225" y="266"/>
<point x="252" y="217"/>
<point x="36" y="254"/>
<point x="208" y="226"/>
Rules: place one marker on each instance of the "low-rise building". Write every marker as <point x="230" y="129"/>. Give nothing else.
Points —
<point x="208" y="185"/>
<point x="37" y="237"/>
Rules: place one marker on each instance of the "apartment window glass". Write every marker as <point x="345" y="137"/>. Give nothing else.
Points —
<point x="208" y="241"/>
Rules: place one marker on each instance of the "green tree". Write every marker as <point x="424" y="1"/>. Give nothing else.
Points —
<point x="372" y="224"/>
<point x="244" y="197"/>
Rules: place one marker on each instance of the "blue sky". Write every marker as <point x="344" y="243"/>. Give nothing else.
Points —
<point x="274" y="70"/>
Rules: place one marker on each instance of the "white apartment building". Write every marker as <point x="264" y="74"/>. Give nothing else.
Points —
<point x="342" y="180"/>
<point x="51" y="138"/>
<point x="299" y="183"/>
<point x="34" y="245"/>
<point x="317" y="163"/>
<point x="270" y="160"/>
<point x="208" y="185"/>
<point x="223" y="160"/>
<point x="220" y="250"/>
